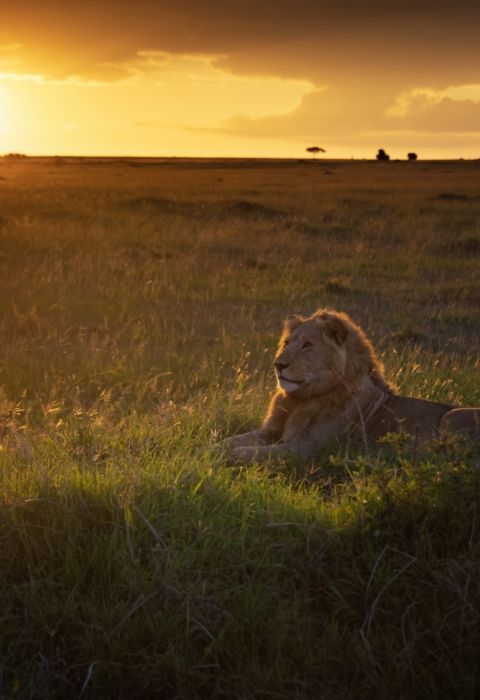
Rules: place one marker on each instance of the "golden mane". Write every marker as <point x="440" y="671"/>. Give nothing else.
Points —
<point x="361" y="356"/>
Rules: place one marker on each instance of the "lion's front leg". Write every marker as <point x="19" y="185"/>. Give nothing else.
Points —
<point x="253" y="438"/>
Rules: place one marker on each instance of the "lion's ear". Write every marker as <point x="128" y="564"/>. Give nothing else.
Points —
<point x="292" y="322"/>
<point x="335" y="329"/>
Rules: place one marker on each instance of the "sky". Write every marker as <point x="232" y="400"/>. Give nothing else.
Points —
<point x="240" y="78"/>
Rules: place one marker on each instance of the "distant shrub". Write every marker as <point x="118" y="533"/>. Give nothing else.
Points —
<point x="412" y="156"/>
<point x="381" y="155"/>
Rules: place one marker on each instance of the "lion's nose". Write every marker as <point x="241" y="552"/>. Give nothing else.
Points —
<point x="280" y="365"/>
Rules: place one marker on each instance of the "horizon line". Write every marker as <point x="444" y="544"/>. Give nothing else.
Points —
<point x="16" y="155"/>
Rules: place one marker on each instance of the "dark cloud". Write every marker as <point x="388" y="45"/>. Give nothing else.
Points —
<point x="323" y="40"/>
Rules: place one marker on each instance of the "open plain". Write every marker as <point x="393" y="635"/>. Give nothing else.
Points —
<point x="141" y="303"/>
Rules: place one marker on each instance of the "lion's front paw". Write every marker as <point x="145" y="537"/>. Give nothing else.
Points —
<point x="249" y="453"/>
<point x="229" y="452"/>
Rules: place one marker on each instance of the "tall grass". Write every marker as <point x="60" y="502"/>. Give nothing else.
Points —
<point x="140" y="308"/>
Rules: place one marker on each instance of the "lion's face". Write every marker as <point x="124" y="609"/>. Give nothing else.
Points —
<point x="311" y="357"/>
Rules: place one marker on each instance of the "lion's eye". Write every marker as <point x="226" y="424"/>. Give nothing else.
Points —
<point x="307" y="345"/>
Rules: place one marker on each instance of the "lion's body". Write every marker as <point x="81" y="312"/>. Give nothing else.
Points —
<point x="331" y="384"/>
<point x="416" y="417"/>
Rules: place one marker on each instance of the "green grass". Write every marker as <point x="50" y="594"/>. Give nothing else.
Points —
<point x="139" y="312"/>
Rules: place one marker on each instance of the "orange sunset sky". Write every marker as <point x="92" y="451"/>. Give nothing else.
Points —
<point x="240" y="78"/>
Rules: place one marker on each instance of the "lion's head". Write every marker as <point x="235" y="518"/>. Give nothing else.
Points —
<point x="323" y="351"/>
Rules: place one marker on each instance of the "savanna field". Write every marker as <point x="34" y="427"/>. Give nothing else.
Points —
<point x="141" y="304"/>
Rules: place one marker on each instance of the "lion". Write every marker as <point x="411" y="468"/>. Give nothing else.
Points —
<point x="332" y="384"/>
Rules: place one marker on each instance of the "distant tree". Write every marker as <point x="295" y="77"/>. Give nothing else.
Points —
<point x="381" y="155"/>
<point x="315" y="150"/>
<point x="412" y="156"/>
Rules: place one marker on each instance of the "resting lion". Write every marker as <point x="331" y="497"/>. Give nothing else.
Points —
<point x="331" y="384"/>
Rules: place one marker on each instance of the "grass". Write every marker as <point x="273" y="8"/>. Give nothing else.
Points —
<point x="140" y="306"/>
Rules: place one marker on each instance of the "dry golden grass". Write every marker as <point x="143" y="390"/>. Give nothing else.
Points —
<point x="114" y="271"/>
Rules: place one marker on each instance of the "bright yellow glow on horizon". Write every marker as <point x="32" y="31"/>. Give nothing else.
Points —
<point x="166" y="105"/>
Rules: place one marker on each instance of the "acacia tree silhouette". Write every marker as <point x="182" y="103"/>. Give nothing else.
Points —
<point x="315" y="150"/>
